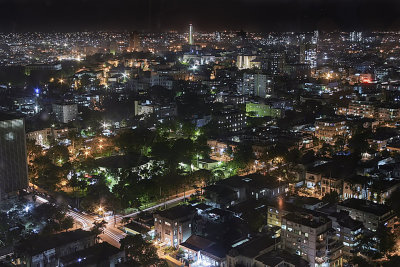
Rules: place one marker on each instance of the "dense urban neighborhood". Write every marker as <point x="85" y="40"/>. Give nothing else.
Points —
<point x="194" y="148"/>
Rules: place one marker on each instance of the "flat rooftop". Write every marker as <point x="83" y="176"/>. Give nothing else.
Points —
<point x="365" y="206"/>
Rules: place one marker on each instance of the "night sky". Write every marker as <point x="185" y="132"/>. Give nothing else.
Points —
<point x="206" y="15"/>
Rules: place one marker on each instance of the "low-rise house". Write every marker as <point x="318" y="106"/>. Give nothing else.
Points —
<point x="242" y="188"/>
<point x="102" y="254"/>
<point x="193" y="246"/>
<point x="246" y="253"/>
<point x="279" y="258"/>
<point x="41" y="251"/>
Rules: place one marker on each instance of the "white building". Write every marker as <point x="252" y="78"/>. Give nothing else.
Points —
<point x="65" y="112"/>
<point x="254" y="85"/>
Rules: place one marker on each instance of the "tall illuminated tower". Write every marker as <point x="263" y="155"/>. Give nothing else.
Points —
<point x="191" y="39"/>
<point x="134" y="42"/>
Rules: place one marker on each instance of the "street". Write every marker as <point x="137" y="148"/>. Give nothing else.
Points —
<point x="111" y="233"/>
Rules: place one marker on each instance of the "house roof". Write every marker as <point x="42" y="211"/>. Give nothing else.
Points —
<point x="39" y="244"/>
<point x="275" y="257"/>
<point x="196" y="243"/>
<point x="255" y="246"/>
<point x="365" y="206"/>
<point x="96" y="254"/>
<point x="177" y="212"/>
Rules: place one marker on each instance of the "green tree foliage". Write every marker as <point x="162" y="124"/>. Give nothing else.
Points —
<point x="134" y="140"/>
<point x="394" y="202"/>
<point x="332" y="197"/>
<point x="386" y="239"/>
<point x="140" y="251"/>
<point x="358" y="143"/>
<point x="98" y="228"/>
<point x="243" y="156"/>
<point x="58" y="154"/>
<point x="54" y="216"/>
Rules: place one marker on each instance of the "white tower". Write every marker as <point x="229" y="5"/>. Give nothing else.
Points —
<point x="191" y="39"/>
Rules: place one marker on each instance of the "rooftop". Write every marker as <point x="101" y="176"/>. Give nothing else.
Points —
<point x="196" y="243"/>
<point x="365" y="206"/>
<point x="307" y="219"/>
<point x="275" y="257"/>
<point x="255" y="246"/>
<point x="93" y="255"/>
<point x="177" y="212"/>
<point x="8" y="116"/>
<point x="39" y="244"/>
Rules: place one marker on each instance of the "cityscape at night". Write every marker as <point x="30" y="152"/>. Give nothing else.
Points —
<point x="180" y="133"/>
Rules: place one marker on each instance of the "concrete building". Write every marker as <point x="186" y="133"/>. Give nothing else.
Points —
<point x="65" y="112"/>
<point x="311" y="237"/>
<point x="247" y="62"/>
<point x="174" y="226"/>
<point x="255" y="84"/>
<point x="231" y="120"/>
<point x="263" y="110"/>
<point x="237" y="189"/>
<point x="348" y="230"/>
<point x="13" y="158"/>
<point x="41" y="251"/>
<point x="368" y="212"/>
<point x="101" y="254"/>
<point x="43" y="137"/>
<point x="160" y="111"/>
<point x="161" y="80"/>
<point x="246" y="253"/>
<point x="327" y="129"/>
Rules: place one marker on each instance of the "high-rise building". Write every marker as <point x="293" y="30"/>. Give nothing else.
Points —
<point x="191" y="38"/>
<point x="134" y="42"/>
<point x="65" y="112"/>
<point x="13" y="160"/>
<point x="355" y="37"/>
<point x="247" y="62"/>
<point x="255" y="84"/>
<point x="308" y="54"/>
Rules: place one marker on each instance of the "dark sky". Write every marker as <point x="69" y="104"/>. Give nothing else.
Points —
<point x="207" y="15"/>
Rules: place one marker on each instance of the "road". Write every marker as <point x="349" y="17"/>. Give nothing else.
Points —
<point x="111" y="232"/>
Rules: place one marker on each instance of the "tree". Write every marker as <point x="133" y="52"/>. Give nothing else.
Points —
<point x="332" y="197"/>
<point x="394" y="202"/>
<point x="58" y="154"/>
<point x="98" y="227"/>
<point x="67" y="223"/>
<point x="139" y="250"/>
<point x="386" y="239"/>
<point x="243" y="156"/>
